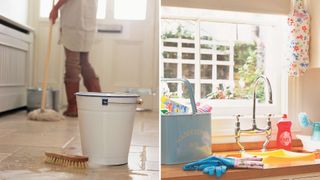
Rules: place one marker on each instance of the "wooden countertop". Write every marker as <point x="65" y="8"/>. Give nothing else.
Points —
<point x="175" y="172"/>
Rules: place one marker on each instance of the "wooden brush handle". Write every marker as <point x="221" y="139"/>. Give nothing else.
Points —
<point x="46" y="68"/>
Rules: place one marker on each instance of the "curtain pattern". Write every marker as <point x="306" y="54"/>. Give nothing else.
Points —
<point x="299" y="37"/>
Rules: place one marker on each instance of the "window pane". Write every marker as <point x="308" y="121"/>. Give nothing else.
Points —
<point x="170" y="70"/>
<point x="177" y="29"/>
<point x="170" y="55"/>
<point x="205" y="90"/>
<point x="170" y="44"/>
<point x="188" y="45"/>
<point x="130" y="9"/>
<point x="185" y="91"/>
<point x="248" y="66"/>
<point x="188" y="71"/>
<point x="206" y="46"/>
<point x="173" y="87"/>
<point x="221" y="57"/>
<point x="187" y="55"/>
<point x="46" y="5"/>
<point x="45" y="8"/>
<point x="206" y="71"/>
<point x="222" y="72"/>
<point x="223" y="48"/>
<point x="206" y="57"/>
<point x="102" y="7"/>
<point x="214" y="31"/>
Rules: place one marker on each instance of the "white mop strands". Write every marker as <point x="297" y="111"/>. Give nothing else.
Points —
<point x="46" y="115"/>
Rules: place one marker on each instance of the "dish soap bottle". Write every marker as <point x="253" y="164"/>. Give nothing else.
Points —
<point x="284" y="138"/>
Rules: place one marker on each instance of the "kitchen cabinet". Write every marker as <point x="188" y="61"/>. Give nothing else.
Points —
<point x="307" y="176"/>
<point x="16" y="49"/>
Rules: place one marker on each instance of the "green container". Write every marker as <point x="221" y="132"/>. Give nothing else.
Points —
<point x="316" y="131"/>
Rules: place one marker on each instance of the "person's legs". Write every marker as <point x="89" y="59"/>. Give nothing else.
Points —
<point x="90" y="79"/>
<point x="71" y="80"/>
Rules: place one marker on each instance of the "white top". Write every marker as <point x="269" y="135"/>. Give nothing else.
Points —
<point x="78" y="24"/>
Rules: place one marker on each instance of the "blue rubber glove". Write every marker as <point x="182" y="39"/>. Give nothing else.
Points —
<point x="212" y="165"/>
<point x="209" y="161"/>
<point x="217" y="165"/>
<point x="215" y="170"/>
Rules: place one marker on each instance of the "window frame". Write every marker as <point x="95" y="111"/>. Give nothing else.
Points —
<point x="278" y="107"/>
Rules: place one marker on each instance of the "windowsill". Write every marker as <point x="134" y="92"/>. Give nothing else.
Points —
<point x="251" y="146"/>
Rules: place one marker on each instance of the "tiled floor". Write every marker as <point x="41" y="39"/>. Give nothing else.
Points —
<point x="23" y="143"/>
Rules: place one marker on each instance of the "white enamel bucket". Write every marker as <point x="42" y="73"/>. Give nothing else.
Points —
<point x="106" y="124"/>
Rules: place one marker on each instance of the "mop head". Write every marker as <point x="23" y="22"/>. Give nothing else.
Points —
<point x="46" y="115"/>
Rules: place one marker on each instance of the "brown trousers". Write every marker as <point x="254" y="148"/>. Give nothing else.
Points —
<point x="78" y="63"/>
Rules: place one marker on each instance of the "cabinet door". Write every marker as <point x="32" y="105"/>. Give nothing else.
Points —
<point x="310" y="177"/>
<point x="307" y="176"/>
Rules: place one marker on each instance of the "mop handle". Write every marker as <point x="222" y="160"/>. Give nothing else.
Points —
<point x="46" y="68"/>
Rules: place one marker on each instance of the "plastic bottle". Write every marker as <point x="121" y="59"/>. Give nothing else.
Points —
<point x="284" y="138"/>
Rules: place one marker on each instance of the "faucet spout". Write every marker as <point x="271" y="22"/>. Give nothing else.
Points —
<point x="255" y="96"/>
<point x="255" y="129"/>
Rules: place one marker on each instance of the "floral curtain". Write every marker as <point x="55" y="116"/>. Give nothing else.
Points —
<point x="299" y="36"/>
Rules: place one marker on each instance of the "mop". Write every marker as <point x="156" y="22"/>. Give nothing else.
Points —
<point x="44" y="114"/>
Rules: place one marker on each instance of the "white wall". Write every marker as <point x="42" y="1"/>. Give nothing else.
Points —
<point x="311" y="94"/>
<point x="16" y="10"/>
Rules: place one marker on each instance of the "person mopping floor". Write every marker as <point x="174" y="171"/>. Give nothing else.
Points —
<point x="77" y="30"/>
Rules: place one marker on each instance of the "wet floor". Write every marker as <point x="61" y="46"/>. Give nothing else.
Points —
<point x="23" y="143"/>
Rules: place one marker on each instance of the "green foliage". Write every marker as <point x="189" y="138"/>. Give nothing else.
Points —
<point x="209" y="38"/>
<point x="245" y="67"/>
<point x="180" y="33"/>
<point x="246" y="70"/>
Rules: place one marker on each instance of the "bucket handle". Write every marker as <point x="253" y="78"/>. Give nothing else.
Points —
<point x="188" y="84"/>
<point x="106" y="102"/>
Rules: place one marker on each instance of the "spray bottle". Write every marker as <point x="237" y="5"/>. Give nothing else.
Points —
<point x="284" y="138"/>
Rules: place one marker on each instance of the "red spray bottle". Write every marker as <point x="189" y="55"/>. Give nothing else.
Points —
<point x="284" y="138"/>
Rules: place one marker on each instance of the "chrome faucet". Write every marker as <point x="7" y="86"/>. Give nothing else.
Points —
<point x="255" y="129"/>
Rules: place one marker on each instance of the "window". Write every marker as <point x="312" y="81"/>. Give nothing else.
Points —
<point x="102" y="9"/>
<point x="45" y="8"/>
<point x="122" y="9"/>
<point x="130" y="9"/>
<point x="222" y="53"/>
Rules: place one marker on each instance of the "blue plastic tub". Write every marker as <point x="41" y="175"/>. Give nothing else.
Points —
<point x="185" y="137"/>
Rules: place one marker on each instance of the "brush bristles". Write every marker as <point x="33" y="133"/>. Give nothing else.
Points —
<point x="67" y="160"/>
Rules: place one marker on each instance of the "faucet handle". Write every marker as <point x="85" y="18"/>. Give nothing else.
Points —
<point x="238" y="117"/>
<point x="269" y="120"/>
<point x="238" y="122"/>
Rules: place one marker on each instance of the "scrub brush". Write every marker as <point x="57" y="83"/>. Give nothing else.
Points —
<point x="66" y="160"/>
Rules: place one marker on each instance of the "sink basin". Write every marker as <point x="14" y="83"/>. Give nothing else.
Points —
<point x="309" y="144"/>
<point x="281" y="156"/>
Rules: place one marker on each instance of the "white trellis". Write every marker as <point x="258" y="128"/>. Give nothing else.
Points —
<point x="178" y="54"/>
